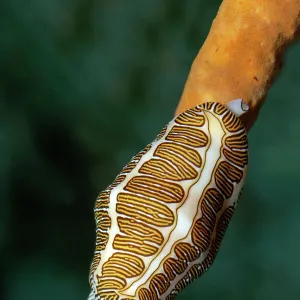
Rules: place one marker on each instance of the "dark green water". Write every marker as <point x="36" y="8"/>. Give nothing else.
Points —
<point x="87" y="84"/>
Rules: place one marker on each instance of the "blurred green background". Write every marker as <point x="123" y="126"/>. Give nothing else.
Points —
<point x="84" y="86"/>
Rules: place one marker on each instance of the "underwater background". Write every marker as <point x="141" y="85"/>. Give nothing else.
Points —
<point x="84" y="86"/>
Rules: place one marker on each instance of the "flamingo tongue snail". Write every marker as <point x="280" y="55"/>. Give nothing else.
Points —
<point x="161" y="222"/>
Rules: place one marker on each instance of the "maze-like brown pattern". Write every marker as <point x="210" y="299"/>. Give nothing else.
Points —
<point x="198" y="269"/>
<point x="150" y="190"/>
<point x="102" y="218"/>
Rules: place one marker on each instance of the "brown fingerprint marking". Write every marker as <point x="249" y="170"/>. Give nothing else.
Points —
<point x="168" y="268"/>
<point x="237" y="153"/>
<point x="231" y="122"/>
<point x="123" y="265"/>
<point x="161" y="134"/>
<point x="208" y="220"/>
<point x="102" y="201"/>
<point x="145" y="294"/>
<point x="220" y="109"/>
<point x="155" y="188"/>
<point x="190" y="118"/>
<point x="159" y="284"/>
<point x="214" y="199"/>
<point x="103" y="224"/>
<point x="103" y="220"/>
<point x="186" y="251"/>
<point x="230" y="171"/>
<point x="174" y="267"/>
<point x="134" y="245"/>
<point x="119" y="179"/>
<point x="137" y="240"/>
<point x="206" y="106"/>
<point x="238" y="158"/>
<point x="115" y="283"/>
<point x="201" y="234"/>
<point x="223" y="224"/>
<point x="225" y="177"/>
<point x="166" y="170"/>
<point x="131" y="227"/>
<point x="179" y="266"/>
<point x="108" y="295"/>
<point x="198" y="269"/>
<point x="179" y="155"/>
<point x="101" y="240"/>
<point x="135" y="160"/>
<point x="143" y="209"/>
<point x="195" y="271"/>
<point x="187" y="136"/>
<point x="237" y="141"/>
<point x="94" y="265"/>
<point x="115" y="271"/>
<point x="202" y="230"/>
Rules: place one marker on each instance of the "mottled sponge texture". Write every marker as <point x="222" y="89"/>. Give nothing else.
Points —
<point x="242" y="54"/>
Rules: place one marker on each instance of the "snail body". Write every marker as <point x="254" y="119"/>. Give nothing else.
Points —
<point x="160" y="224"/>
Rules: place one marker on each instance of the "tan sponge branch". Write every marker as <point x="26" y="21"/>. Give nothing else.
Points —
<point x="242" y="54"/>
